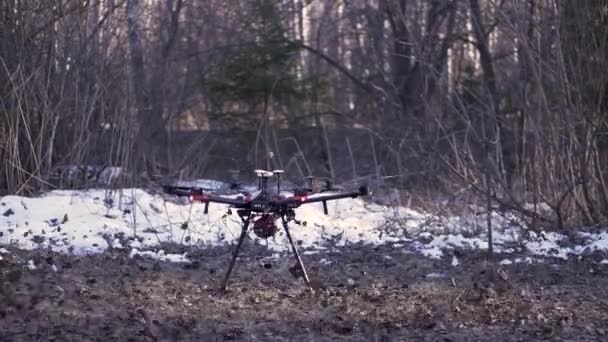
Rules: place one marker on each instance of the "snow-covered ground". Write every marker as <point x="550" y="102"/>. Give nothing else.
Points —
<point x="91" y="221"/>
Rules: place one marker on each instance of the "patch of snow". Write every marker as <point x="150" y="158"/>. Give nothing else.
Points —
<point x="425" y="235"/>
<point x="434" y="253"/>
<point x="83" y="222"/>
<point x="325" y="261"/>
<point x="506" y="262"/>
<point x="527" y="260"/>
<point x="604" y="262"/>
<point x="435" y="275"/>
<point x="31" y="265"/>
<point x="3" y="251"/>
<point x="544" y="244"/>
<point x="160" y="255"/>
<point x="595" y="242"/>
<point x="117" y="244"/>
<point x="540" y="207"/>
<point x="548" y="245"/>
<point x="434" y="248"/>
<point x="149" y="220"/>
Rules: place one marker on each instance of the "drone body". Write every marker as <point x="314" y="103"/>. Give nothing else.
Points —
<point x="266" y="208"/>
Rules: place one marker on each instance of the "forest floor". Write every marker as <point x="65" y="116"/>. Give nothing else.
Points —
<point x="362" y="293"/>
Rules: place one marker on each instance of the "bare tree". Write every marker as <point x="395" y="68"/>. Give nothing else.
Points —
<point x="504" y="98"/>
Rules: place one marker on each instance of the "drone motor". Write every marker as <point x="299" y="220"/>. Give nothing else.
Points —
<point x="265" y="226"/>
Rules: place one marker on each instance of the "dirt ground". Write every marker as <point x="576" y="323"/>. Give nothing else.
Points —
<point x="362" y="293"/>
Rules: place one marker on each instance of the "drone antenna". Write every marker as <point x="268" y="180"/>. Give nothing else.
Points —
<point x="278" y="174"/>
<point x="266" y="176"/>
<point x="234" y="179"/>
<point x="310" y="181"/>
<point x="259" y="173"/>
<point x="263" y="177"/>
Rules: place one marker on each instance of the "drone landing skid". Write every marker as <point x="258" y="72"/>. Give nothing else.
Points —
<point x="296" y="253"/>
<point x="294" y="271"/>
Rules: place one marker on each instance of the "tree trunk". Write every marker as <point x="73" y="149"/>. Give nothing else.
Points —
<point x="402" y="54"/>
<point x="151" y="127"/>
<point x="494" y="129"/>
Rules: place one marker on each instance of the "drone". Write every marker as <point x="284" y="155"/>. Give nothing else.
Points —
<point x="267" y="207"/>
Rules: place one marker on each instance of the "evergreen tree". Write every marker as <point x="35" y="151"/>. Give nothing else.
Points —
<point x="259" y="72"/>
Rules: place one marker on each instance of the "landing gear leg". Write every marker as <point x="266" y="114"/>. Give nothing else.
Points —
<point x="296" y="253"/>
<point x="236" y="252"/>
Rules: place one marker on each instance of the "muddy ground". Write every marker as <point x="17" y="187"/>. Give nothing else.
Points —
<point x="362" y="293"/>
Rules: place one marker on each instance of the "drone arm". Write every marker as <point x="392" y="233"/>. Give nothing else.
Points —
<point x="182" y="190"/>
<point x="197" y="195"/>
<point x="236" y="203"/>
<point x="324" y="198"/>
<point x="296" y="201"/>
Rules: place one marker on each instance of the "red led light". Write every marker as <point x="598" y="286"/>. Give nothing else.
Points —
<point x="201" y="198"/>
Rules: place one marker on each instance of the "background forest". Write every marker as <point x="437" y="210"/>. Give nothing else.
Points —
<point x="503" y="101"/>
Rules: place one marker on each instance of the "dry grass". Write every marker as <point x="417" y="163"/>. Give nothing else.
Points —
<point x="363" y="296"/>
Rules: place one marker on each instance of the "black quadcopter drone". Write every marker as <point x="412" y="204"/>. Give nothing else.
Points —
<point x="266" y="207"/>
